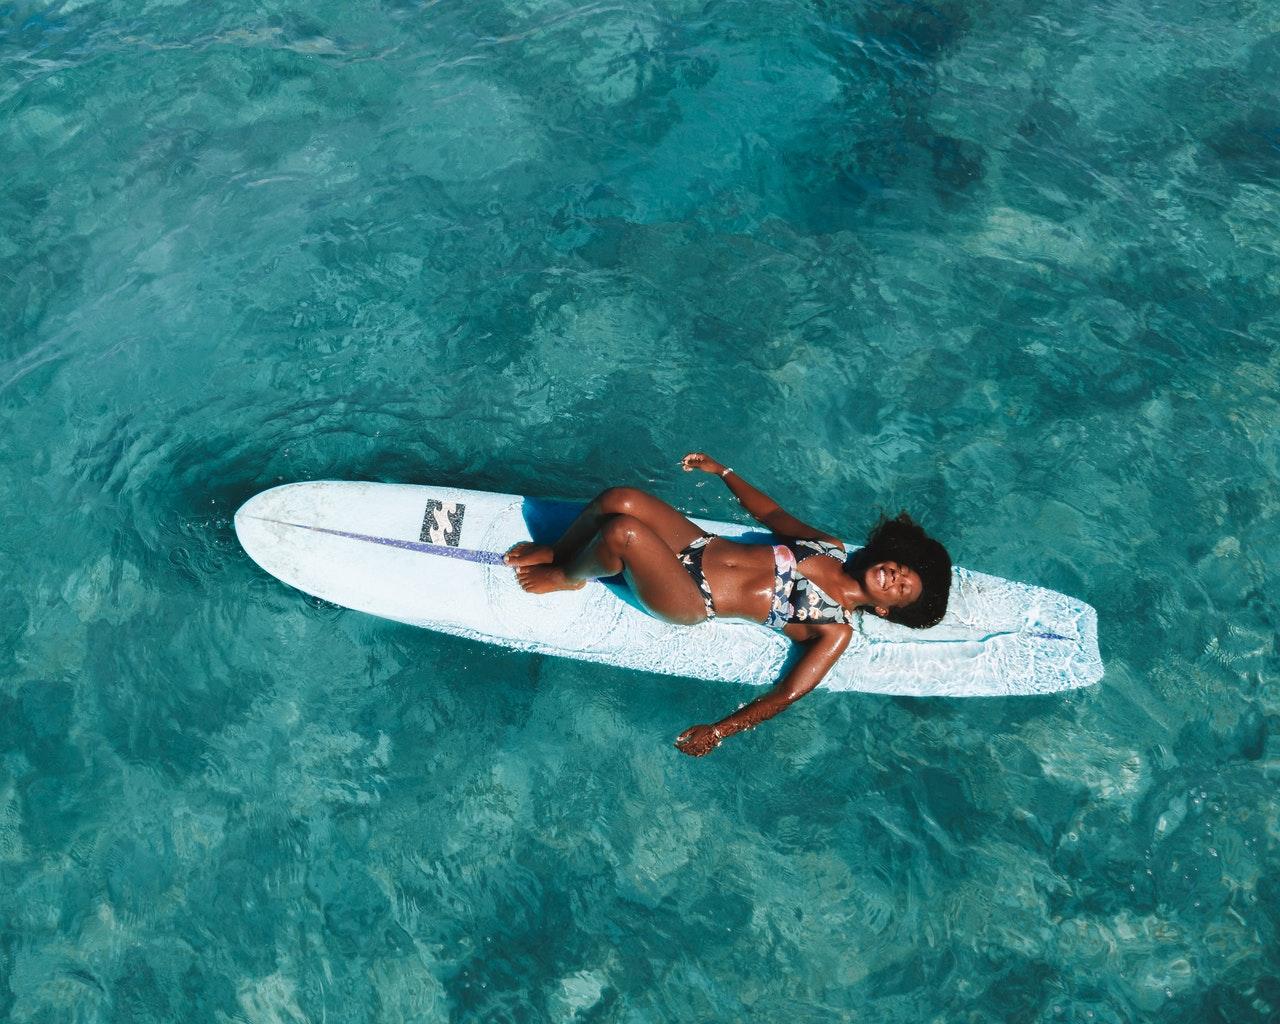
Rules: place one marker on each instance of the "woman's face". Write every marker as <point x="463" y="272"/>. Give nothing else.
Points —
<point x="892" y="585"/>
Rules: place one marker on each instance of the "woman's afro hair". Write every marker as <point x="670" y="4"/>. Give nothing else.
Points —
<point x="902" y="540"/>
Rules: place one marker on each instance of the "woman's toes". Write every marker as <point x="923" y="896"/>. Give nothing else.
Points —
<point x="545" y="579"/>
<point x="529" y="553"/>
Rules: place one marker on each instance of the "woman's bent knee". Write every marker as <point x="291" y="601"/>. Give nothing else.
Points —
<point x="620" y="500"/>
<point x="619" y="531"/>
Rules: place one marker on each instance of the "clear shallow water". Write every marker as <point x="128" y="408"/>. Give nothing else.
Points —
<point x="1011" y="266"/>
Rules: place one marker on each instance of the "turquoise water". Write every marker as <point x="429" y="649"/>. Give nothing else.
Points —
<point x="1012" y="266"/>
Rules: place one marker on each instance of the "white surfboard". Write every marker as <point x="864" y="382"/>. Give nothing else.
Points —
<point x="432" y="557"/>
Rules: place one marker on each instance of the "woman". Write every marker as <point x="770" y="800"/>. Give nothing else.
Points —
<point x="803" y="586"/>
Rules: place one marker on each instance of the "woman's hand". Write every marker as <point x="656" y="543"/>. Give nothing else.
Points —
<point x="699" y="740"/>
<point x="702" y="461"/>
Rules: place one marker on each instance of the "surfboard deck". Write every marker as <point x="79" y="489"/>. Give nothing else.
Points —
<point x="432" y="557"/>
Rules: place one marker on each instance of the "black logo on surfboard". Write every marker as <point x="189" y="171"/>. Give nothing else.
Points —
<point x="442" y="523"/>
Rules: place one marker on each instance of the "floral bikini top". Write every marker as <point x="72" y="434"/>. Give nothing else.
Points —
<point x="796" y="598"/>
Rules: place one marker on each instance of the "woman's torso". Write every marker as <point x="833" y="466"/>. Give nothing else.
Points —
<point x="742" y="576"/>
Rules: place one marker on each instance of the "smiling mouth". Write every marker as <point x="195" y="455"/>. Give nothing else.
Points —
<point x="882" y="575"/>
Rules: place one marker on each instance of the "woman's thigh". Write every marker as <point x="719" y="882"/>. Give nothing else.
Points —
<point x="656" y="576"/>
<point x="671" y="525"/>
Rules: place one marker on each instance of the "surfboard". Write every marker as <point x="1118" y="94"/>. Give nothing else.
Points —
<point x="432" y="557"/>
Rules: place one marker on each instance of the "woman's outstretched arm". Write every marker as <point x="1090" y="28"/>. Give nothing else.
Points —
<point x="761" y="507"/>
<point x="826" y="645"/>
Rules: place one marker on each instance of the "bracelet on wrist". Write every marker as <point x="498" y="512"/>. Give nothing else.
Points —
<point x="726" y="471"/>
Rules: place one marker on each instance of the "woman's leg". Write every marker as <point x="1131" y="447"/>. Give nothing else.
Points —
<point x="670" y="525"/>
<point x="627" y="545"/>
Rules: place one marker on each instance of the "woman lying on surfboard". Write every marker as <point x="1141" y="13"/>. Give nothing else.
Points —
<point x="804" y="585"/>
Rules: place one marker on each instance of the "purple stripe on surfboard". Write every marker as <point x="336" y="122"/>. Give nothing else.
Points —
<point x="444" y="550"/>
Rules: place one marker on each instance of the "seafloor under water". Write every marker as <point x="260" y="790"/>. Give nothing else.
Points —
<point x="1014" y="266"/>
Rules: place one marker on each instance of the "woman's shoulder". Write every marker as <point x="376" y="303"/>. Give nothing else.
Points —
<point x="821" y="543"/>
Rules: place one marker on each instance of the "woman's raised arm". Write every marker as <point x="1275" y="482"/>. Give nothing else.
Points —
<point x="761" y="507"/>
<point x="827" y="644"/>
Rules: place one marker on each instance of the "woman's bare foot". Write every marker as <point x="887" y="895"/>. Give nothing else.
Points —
<point x="529" y="553"/>
<point x="545" y="579"/>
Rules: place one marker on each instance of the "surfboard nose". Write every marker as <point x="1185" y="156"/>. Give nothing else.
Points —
<point x="253" y="522"/>
<point x="287" y="501"/>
